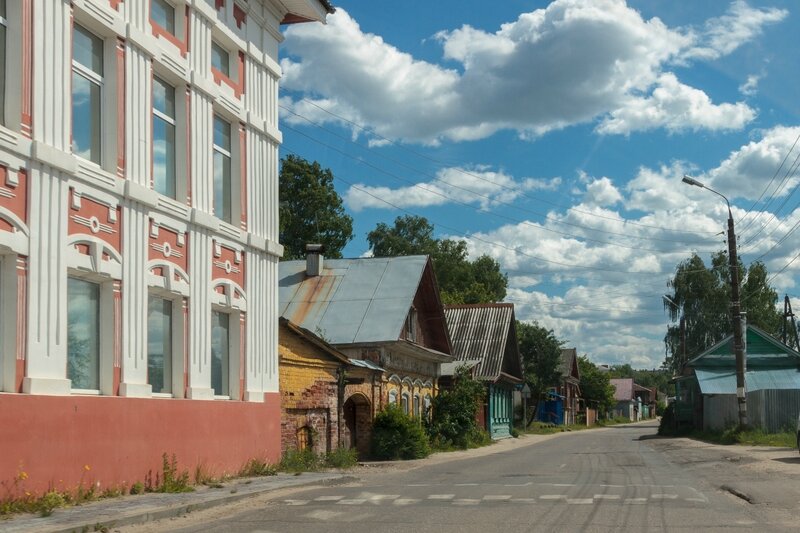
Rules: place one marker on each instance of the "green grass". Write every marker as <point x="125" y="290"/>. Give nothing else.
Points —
<point x="750" y="437"/>
<point x="307" y="461"/>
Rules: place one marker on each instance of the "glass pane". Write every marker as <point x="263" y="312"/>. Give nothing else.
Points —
<point x="220" y="59"/>
<point x="159" y="344"/>
<point x="220" y="353"/>
<point x="163" y="157"/>
<point x="163" y="14"/>
<point x="222" y="134"/>
<point x="164" y="97"/>
<point x="3" y="8"/>
<point x="87" y="49"/>
<point x="222" y="186"/>
<point x="85" y="118"/>
<point x="83" y="334"/>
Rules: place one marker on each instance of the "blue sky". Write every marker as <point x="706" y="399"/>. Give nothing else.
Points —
<point x="553" y="136"/>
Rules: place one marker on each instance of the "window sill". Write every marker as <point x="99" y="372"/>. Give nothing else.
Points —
<point x="216" y="397"/>
<point x="85" y="392"/>
<point x="162" y="395"/>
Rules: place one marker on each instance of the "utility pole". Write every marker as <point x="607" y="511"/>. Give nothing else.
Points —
<point x="736" y="319"/>
<point x="736" y="309"/>
<point x="789" y="332"/>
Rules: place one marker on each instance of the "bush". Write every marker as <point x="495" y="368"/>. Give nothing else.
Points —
<point x="667" y="424"/>
<point x="453" y="414"/>
<point x="300" y="461"/>
<point x="342" y="458"/>
<point x="396" y="435"/>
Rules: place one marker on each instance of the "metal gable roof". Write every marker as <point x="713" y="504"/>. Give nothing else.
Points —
<point x="483" y="332"/>
<point x="723" y="381"/>
<point x="762" y="350"/>
<point x="353" y="300"/>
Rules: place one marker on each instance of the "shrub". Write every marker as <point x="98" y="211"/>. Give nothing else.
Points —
<point x="300" y="461"/>
<point x="396" y="435"/>
<point x="453" y="413"/>
<point x="667" y="424"/>
<point x="342" y="458"/>
<point x="257" y="467"/>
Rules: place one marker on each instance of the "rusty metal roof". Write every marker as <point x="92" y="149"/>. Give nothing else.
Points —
<point x="353" y="301"/>
<point x="486" y="332"/>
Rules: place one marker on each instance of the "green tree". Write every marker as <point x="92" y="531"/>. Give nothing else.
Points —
<point x="540" y="350"/>
<point x="453" y="412"/>
<point x="702" y="295"/>
<point x="595" y="386"/>
<point x="460" y="280"/>
<point x="311" y="211"/>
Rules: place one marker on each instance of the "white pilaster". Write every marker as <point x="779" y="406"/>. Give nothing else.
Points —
<point x="200" y="315"/>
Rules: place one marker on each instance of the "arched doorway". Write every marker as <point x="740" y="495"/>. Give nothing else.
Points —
<point x="357" y="424"/>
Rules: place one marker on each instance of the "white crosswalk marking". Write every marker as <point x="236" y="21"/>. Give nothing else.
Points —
<point x="497" y="497"/>
<point x="466" y="501"/>
<point x="328" y="498"/>
<point x="441" y="496"/>
<point x="664" y="496"/>
<point x="580" y="501"/>
<point x="635" y="501"/>
<point x="552" y="497"/>
<point x="295" y="502"/>
<point x="607" y="496"/>
<point x="355" y="501"/>
<point x="405" y="501"/>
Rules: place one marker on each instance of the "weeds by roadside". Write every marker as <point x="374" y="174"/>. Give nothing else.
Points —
<point x="295" y="461"/>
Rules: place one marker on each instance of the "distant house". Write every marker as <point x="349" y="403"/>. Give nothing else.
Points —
<point x="385" y="311"/>
<point x="484" y="336"/>
<point x="569" y="388"/>
<point x="632" y="400"/>
<point x="706" y="391"/>
<point x="316" y="382"/>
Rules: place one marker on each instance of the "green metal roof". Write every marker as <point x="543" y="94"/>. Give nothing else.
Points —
<point x="723" y="381"/>
<point x="762" y="349"/>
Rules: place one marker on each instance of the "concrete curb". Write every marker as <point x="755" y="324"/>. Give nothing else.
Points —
<point x="136" y="510"/>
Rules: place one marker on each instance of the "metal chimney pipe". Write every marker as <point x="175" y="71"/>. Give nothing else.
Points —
<point x="314" y="259"/>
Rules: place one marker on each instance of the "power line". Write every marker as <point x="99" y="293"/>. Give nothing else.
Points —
<point x="512" y="189"/>
<point x="506" y="217"/>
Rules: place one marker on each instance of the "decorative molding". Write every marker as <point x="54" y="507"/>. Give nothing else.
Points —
<point x="54" y="157"/>
<point x="141" y="194"/>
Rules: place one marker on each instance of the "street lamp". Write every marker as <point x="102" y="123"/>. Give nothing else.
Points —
<point x="736" y="309"/>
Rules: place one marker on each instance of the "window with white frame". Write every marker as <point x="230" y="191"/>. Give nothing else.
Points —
<point x="404" y="401"/>
<point x="164" y="145"/>
<point x="159" y="344"/>
<point x="417" y="412"/>
<point x="411" y="325"/>
<point x="87" y="93"/>
<point x="83" y="334"/>
<point x="223" y="204"/>
<point x="220" y="353"/>
<point x="392" y="397"/>
<point x="220" y="59"/>
<point x="163" y="14"/>
<point x="3" y="31"/>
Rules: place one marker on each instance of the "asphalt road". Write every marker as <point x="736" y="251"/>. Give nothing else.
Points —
<point x="613" y="479"/>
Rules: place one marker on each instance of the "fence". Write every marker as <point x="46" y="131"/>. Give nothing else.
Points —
<point x="772" y="410"/>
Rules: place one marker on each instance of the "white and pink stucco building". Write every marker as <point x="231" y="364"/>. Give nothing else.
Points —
<point x="139" y="235"/>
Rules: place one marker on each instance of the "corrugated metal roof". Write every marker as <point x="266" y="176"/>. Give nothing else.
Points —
<point x="353" y="301"/>
<point x="484" y="332"/>
<point x="723" y="381"/>
<point x="450" y="369"/>
<point x="623" y="388"/>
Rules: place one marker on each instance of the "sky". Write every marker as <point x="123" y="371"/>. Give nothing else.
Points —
<point x="553" y="137"/>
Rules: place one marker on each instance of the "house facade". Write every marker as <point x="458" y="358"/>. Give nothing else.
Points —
<point x="139" y="234"/>
<point x="319" y="385"/>
<point x="706" y="389"/>
<point x="485" y="337"/>
<point x="382" y="311"/>
<point x="569" y="388"/>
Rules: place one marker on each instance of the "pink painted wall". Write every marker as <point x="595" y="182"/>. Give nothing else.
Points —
<point x="52" y="438"/>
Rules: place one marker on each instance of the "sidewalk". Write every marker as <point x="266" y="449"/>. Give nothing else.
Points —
<point x="130" y="510"/>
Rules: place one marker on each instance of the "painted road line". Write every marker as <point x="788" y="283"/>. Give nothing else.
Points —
<point x="580" y="501"/>
<point x="405" y="501"/>
<point x="519" y="484"/>
<point x="664" y="496"/>
<point x="296" y="502"/>
<point x="698" y="500"/>
<point x="635" y="501"/>
<point x="466" y="485"/>
<point x="441" y="496"/>
<point x="328" y="498"/>
<point x="553" y="497"/>
<point x="523" y="500"/>
<point x="497" y="497"/>
<point x="354" y="501"/>
<point x="607" y="496"/>
<point x="466" y="501"/>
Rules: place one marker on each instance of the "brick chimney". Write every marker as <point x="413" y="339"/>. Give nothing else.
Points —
<point x="314" y="259"/>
